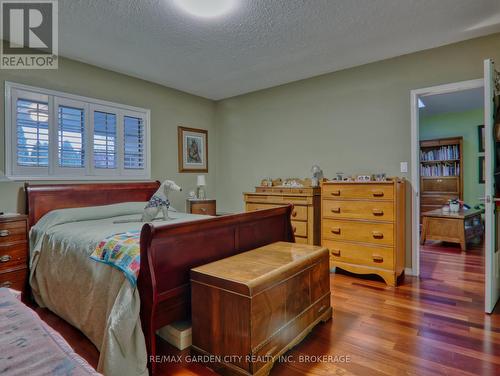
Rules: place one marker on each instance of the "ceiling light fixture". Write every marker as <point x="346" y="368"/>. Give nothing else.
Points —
<point x="206" y="8"/>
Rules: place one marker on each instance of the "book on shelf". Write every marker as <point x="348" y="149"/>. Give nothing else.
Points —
<point x="442" y="169"/>
<point x="442" y="154"/>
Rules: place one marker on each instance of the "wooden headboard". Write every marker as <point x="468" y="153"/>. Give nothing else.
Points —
<point x="42" y="198"/>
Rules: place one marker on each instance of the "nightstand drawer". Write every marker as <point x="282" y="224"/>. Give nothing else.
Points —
<point x="15" y="280"/>
<point x="13" y="256"/>
<point x="207" y="208"/>
<point x="12" y="231"/>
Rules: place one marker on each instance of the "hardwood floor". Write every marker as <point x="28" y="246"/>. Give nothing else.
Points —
<point x="434" y="325"/>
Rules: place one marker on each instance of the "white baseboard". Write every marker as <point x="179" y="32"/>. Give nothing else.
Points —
<point x="409" y="271"/>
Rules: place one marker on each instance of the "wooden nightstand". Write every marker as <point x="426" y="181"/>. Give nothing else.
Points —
<point x="206" y="207"/>
<point x="14" y="251"/>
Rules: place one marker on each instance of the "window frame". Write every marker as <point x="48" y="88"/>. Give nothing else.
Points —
<point x="54" y="98"/>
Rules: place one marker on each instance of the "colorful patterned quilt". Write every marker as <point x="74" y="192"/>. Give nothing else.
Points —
<point x="121" y="251"/>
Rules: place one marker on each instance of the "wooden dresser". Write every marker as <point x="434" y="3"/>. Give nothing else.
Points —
<point x="249" y="309"/>
<point x="363" y="226"/>
<point x="306" y="213"/>
<point x="14" y="251"/>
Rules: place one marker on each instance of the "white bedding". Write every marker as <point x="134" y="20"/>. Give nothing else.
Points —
<point x="94" y="297"/>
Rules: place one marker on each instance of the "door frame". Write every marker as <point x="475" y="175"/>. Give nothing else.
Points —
<point x="415" y="156"/>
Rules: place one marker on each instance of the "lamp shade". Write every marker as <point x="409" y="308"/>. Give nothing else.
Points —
<point x="200" y="181"/>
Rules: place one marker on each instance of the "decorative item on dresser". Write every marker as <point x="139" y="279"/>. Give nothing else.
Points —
<point x="363" y="225"/>
<point x="197" y="206"/>
<point x="306" y="211"/>
<point x="249" y="309"/>
<point x="14" y="251"/>
<point x="441" y="172"/>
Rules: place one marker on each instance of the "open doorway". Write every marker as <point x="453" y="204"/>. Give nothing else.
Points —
<point x="451" y="174"/>
<point x="438" y="108"/>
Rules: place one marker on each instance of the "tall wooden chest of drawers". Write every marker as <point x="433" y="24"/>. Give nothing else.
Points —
<point x="14" y="251"/>
<point x="306" y="213"/>
<point x="363" y="226"/>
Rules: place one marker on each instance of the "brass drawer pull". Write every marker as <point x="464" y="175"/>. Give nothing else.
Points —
<point x="6" y="284"/>
<point x="4" y="233"/>
<point x="378" y="234"/>
<point x="335" y="252"/>
<point x="5" y="258"/>
<point x="377" y="258"/>
<point x="322" y="308"/>
<point x="336" y="210"/>
<point x="336" y="230"/>
<point x="378" y="212"/>
<point x="294" y="229"/>
<point x="294" y="214"/>
<point x="378" y="194"/>
<point x="203" y="209"/>
<point x="336" y="193"/>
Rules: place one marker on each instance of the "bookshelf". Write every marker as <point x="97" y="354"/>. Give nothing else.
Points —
<point x="441" y="172"/>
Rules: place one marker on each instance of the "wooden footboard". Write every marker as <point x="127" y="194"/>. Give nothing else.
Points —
<point x="168" y="253"/>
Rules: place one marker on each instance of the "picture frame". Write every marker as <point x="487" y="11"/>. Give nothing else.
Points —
<point x="481" y="169"/>
<point x="480" y="136"/>
<point x="192" y="149"/>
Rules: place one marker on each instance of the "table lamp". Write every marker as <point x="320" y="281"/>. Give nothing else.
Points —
<point x="201" y="183"/>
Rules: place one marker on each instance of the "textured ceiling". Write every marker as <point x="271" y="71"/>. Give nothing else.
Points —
<point x="263" y="43"/>
<point x="459" y="101"/>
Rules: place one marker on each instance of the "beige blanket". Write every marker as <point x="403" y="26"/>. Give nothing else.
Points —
<point x="94" y="297"/>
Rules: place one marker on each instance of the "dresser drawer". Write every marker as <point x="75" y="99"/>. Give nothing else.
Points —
<point x="358" y="191"/>
<point x="379" y="257"/>
<point x="371" y="210"/>
<point x="299" y="213"/>
<point x="301" y="240"/>
<point x="15" y="280"/>
<point x="12" y="231"/>
<point x="369" y="232"/>
<point x="299" y="228"/>
<point x="263" y="189"/>
<point x="253" y="206"/>
<point x="13" y="256"/>
<point x="204" y="208"/>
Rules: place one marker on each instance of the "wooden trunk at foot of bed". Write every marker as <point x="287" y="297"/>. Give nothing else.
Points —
<point x="168" y="253"/>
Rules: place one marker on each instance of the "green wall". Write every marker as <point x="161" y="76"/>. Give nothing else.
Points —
<point x="169" y="108"/>
<point x="454" y="125"/>
<point x="356" y="121"/>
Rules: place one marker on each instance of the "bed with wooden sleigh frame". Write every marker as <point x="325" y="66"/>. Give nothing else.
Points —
<point x="168" y="252"/>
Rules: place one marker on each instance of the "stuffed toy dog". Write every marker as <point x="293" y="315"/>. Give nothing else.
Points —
<point x="160" y="201"/>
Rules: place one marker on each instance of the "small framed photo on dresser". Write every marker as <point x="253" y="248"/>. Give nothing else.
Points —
<point x="193" y="149"/>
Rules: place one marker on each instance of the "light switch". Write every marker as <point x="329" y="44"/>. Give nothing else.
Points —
<point x="404" y="166"/>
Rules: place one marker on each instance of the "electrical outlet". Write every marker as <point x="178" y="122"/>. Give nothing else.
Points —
<point x="403" y="166"/>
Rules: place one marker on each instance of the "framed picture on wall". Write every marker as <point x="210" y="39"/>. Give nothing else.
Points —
<point x="481" y="169"/>
<point x="192" y="149"/>
<point x="480" y="135"/>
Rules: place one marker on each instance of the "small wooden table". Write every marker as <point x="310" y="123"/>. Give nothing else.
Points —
<point x="250" y="308"/>
<point x="450" y="227"/>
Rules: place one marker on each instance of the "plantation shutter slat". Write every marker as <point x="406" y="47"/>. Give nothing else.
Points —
<point x="71" y="136"/>
<point x="104" y="140"/>
<point x="133" y="143"/>
<point x="32" y="127"/>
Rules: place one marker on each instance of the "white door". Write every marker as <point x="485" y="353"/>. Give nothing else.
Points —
<point x="492" y="275"/>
